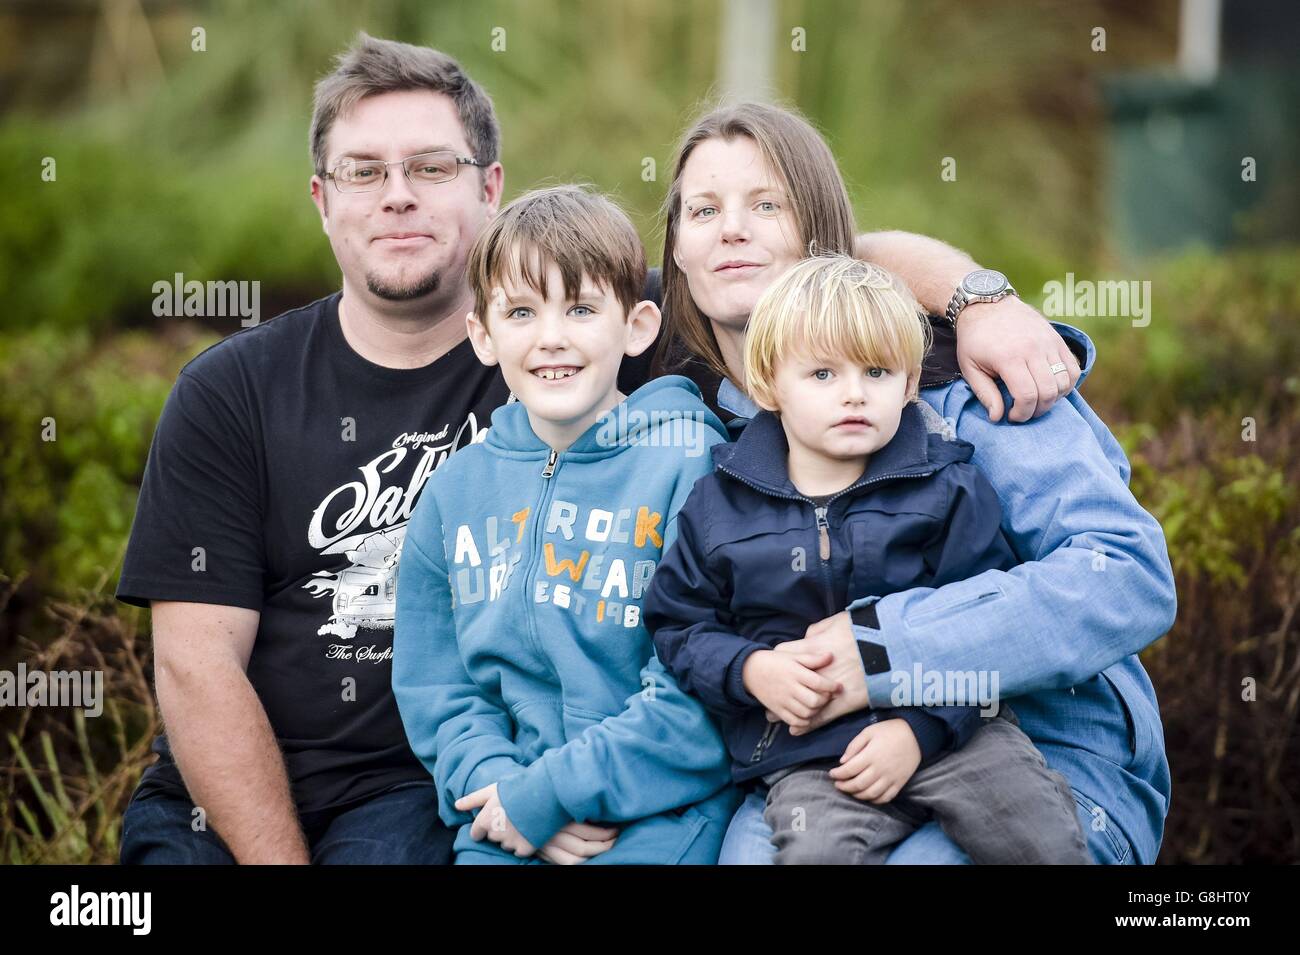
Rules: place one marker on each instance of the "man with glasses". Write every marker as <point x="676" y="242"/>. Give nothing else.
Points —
<point x="283" y="473"/>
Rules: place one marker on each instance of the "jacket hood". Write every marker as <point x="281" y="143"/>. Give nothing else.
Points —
<point x="924" y="442"/>
<point x="662" y="405"/>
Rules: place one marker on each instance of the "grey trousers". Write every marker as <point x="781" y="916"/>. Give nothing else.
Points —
<point x="995" y="797"/>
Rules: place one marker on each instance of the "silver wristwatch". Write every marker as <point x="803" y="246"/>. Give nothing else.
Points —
<point x="982" y="285"/>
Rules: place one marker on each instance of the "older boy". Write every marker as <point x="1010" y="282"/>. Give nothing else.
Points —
<point x="526" y="680"/>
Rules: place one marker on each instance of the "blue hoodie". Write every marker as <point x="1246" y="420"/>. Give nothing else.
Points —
<point x="519" y="655"/>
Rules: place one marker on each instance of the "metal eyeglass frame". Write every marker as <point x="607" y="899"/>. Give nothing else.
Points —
<point x="460" y="161"/>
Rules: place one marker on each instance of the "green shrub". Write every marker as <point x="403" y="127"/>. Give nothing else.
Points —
<point x="1224" y="678"/>
<point x="1224" y="337"/>
<point x="69" y="501"/>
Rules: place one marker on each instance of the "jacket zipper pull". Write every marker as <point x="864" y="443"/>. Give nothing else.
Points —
<point x="550" y="464"/>
<point x="824" y="537"/>
<point x="764" y="742"/>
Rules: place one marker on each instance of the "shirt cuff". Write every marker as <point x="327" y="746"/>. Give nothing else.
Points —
<point x="491" y="770"/>
<point x="931" y="732"/>
<point x="871" y="645"/>
<point x="532" y="804"/>
<point x="1085" y="352"/>
<point x="735" y="682"/>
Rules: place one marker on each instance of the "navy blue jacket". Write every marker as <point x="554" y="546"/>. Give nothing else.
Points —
<point x="747" y="572"/>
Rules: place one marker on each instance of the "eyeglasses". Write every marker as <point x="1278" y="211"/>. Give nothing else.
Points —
<point x="367" y="175"/>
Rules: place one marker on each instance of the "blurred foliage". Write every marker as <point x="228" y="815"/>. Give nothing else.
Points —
<point x="1228" y="675"/>
<point x="66" y="778"/>
<point x="205" y="173"/>
<point x="1222" y="338"/>
<point x="1206" y="402"/>
<point x="76" y="419"/>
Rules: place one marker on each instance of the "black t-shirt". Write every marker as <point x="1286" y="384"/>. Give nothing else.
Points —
<point x="281" y="478"/>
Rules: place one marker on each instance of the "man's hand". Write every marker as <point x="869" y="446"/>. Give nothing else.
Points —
<point x="834" y="637"/>
<point x="878" y="762"/>
<point x="1011" y="341"/>
<point x="789" y="685"/>
<point x="577" y="842"/>
<point x="493" y="822"/>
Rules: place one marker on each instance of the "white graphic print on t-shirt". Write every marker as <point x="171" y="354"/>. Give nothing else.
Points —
<point x="366" y="520"/>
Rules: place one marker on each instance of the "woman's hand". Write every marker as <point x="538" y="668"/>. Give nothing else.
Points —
<point x="493" y="822"/>
<point x="878" y="762"/>
<point x="1011" y="341"/>
<point x="833" y="638"/>
<point x="577" y="842"/>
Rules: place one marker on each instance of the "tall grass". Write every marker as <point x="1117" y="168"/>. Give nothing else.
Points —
<point x="65" y="781"/>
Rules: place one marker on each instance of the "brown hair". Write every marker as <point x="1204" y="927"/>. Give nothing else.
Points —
<point x="582" y="232"/>
<point x="372" y="66"/>
<point x="801" y="161"/>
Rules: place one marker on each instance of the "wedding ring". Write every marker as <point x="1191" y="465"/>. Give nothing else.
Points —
<point x="1058" y="368"/>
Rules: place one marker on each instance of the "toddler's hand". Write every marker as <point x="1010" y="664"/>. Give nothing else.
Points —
<point x="878" y="762"/>
<point x="789" y="685"/>
<point x="834" y="635"/>
<point x="493" y="822"/>
<point x="577" y="842"/>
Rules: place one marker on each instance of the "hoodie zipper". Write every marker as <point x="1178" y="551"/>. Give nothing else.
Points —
<point x="538" y="516"/>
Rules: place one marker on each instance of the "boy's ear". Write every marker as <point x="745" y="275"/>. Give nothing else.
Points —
<point x="764" y="405"/>
<point x="480" y="339"/>
<point x="643" y="323"/>
<point x="913" y="386"/>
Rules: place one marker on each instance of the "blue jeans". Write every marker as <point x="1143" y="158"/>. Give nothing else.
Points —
<point x="399" y="826"/>
<point x="749" y="840"/>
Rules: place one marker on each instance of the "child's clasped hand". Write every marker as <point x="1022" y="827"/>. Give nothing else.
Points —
<point x="493" y="822"/>
<point x="876" y="764"/>
<point x="575" y="842"/>
<point x="789" y="685"/>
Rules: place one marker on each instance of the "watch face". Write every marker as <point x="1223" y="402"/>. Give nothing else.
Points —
<point x="985" y="282"/>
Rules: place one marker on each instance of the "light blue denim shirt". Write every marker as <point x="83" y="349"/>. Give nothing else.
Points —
<point x="1061" y="631"/>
